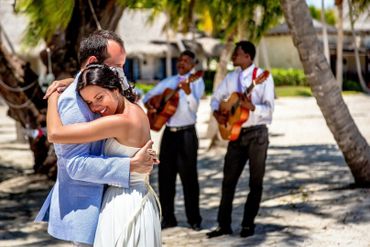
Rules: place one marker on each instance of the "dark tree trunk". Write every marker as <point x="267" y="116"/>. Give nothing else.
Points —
<point x="65" y="45"/>
<point x="21" y="91"/>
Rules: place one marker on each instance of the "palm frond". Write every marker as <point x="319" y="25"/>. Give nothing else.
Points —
<point x="45" y="18"/>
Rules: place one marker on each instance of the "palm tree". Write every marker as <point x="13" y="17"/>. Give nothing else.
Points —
<point x="354" y="147"/>
<point x="340" y="38"/>
<point x="351" y="9"/>
<point x="55" y="22"/>
<point x="237" y="20"/>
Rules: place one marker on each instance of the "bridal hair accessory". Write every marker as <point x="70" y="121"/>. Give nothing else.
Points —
<point x="122" y="77"/>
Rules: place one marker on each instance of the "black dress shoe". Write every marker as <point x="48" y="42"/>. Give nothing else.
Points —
<point x="196" y="227"/>
<point x="219" y="231"/>
<point x="247" y="231"/>
<point x="168" y="223"/>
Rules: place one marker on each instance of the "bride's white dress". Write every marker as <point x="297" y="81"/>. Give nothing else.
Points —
<point x="128" y="217"/>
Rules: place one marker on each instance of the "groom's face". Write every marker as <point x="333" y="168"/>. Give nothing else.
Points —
<point x="117" y="55"/>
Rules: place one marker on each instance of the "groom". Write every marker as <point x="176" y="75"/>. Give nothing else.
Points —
<point x="72" y="207"/>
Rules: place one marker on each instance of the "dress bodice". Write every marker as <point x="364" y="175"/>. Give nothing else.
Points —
<point x="113" y="148"/>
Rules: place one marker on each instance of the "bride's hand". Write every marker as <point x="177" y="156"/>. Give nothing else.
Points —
<point x="144" y="159"/>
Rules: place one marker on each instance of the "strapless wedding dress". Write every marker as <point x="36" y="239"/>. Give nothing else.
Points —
<point x="128" y="217"/>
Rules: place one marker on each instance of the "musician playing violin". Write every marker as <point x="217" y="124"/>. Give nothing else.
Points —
<point x="179" y="145"/>
<point x="252" y="142"/>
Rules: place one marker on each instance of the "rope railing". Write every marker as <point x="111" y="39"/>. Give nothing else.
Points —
<point x="2" y="31"/>
<point x="19" y="90"/>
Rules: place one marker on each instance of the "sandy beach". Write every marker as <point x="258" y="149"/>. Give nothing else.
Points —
<point x="307" y="200"/>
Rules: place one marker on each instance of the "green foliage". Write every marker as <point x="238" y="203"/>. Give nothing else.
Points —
<point x="330" y="16"/>
<point x="45" y="18"/>
<point x="361" y="5"/>
<point x="208" y="81"/>
<point x="237" y="18"/>
<point x="349" y="85"/>
<point x="226" y="18"/>
<point x="289" y="77"/>
<point x="293" y="91"/>
<point x="144" y="87"/>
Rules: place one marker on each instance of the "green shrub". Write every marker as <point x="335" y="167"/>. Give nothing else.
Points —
<point x="349" y="85"/>
<point x="208" y="77"/>
<point x="289" y="77"/>
<point x="144" y="87"/>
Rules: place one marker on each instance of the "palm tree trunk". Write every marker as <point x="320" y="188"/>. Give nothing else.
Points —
<point x="20" y="89"/>
<point x="325" y="32"/>
<point x="225" y="56"/>
<point x="65" y="45"/>
<point x="221" y="71"/>
<point x="354" y="147"/>
<point x="340" y="37"/>
<point x="357" y="55"/>
<point x="27" y="106"/>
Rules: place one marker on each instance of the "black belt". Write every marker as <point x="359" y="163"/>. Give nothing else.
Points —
<point x="180" y="128"/>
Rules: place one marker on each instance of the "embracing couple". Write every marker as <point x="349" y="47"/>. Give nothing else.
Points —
<point x="102" y="195"/>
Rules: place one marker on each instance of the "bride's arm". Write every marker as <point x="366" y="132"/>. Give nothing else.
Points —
<point x="101" y="128"/>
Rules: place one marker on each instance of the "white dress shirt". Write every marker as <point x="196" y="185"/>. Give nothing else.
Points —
<point x="186" y="113"/>
<point x="262" y="94"/>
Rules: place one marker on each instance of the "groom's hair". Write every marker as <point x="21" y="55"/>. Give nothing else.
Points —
<point x="96" y="45"/>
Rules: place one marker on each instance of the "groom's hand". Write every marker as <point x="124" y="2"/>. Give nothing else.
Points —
<point x="58" y="86"/>
<point x="144" y="159"/>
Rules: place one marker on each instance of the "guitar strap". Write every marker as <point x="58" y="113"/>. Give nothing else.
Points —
<point x="254" y="76"/>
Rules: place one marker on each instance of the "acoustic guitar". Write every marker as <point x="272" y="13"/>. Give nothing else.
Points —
<point x="236" y="114"/>
<point x="162" y="107"/>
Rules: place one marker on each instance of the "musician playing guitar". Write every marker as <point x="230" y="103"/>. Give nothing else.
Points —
<point x="252" y="142"/>
<point x="179" y="145"/>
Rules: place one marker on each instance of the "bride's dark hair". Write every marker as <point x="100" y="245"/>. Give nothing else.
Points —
<point x="103" y="76"/>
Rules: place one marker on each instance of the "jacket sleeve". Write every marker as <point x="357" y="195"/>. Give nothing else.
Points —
<point x="98" y="169"/>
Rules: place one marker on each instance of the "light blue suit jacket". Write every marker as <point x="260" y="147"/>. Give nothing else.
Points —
<point x="72" y="206"/>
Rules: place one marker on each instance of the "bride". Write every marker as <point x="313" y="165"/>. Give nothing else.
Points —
<point x="128" y="217"/>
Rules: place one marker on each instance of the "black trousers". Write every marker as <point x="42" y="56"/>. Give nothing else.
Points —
<point x="251" y="145"/>
<point x="178" y="154"/>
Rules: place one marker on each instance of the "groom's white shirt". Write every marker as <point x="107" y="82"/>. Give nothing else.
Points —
<point x="72" y="206"/>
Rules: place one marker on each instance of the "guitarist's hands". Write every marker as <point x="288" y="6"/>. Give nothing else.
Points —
<point x="247" y="103"/>
<point x="221" y="117"/>
<point x="185" y="84"/>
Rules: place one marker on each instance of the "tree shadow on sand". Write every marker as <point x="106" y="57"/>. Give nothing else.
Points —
<point x="307" y="179"/>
